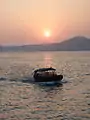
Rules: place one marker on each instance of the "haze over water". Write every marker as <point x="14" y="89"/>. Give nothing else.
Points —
<point x="20" y="99"/>
<point x="44" y="21"/>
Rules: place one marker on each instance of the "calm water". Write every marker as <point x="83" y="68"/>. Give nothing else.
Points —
<point x="20" y="99"/>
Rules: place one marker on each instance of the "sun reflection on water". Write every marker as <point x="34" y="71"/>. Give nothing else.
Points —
<point x="48" y="62"/>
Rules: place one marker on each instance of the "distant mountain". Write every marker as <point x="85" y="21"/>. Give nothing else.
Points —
<point x="73" y="44"/>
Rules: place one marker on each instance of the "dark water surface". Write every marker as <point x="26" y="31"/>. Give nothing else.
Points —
<point x="20" y="99"/>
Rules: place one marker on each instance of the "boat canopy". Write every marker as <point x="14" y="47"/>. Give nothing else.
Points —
<point x="44" y="69"/>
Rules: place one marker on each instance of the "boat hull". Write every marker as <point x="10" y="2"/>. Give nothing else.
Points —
<point x="48" y="78"/>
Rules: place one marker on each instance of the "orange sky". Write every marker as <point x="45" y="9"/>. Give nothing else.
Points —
<point x="24" y="21"/>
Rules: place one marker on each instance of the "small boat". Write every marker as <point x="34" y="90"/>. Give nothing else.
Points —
<point x="47" y="75"/>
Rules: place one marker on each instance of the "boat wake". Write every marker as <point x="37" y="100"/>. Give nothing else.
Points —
<point x="30" y="80"/>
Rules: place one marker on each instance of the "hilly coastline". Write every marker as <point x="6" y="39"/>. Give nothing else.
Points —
<point x="73" y="44"/>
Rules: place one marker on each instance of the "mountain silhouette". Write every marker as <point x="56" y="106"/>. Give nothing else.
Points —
<point x="74" y="44"/>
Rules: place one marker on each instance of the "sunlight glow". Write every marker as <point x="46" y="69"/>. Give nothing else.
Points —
<point x="47" y="33"/>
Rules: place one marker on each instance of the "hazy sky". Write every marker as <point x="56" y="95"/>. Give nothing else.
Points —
<point x="24" y="21"/>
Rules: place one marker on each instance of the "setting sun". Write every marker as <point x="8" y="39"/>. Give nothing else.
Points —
<point x="47" y="33"/>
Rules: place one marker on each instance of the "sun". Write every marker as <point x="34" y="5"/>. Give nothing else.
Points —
<point x="47" y="33"/>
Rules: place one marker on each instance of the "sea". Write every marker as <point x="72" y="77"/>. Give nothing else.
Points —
<point x="22" y="99"/>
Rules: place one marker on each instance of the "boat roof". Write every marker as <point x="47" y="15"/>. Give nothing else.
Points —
<point x="44" y="69"/>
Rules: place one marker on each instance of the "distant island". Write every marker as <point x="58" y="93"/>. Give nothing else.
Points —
<point x="74" y="44"/>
